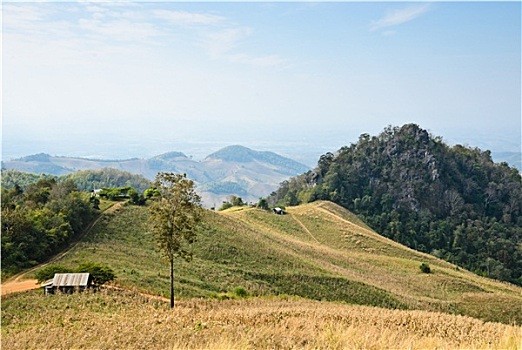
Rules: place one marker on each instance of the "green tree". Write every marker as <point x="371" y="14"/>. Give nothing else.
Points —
<point x="49" y="271"/>
<point x="232" y="201"/>
<point x="100" y="274"/>
<point x="151" y="192"/>
<point x="135" y="197"/>
<point x="174" y="217"/>
<point x="226" y="205"/>
<point x="236" y="201"/>
<point x="451" y="201"/>
<point x="262" y="204"/>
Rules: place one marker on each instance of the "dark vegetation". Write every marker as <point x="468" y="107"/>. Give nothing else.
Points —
<point x="42" y="214"/>
<point x="425" y="268"/>
<point x="119" y="193"/>
<point x="87" y="180"/>
<point x="12" y="178"/>
<point x="40" y="220"/>
<point x="451" y="201"/>
<point x="232" y="201"/>
<point x="84" y="180"/>
<point x="48" y="272"/>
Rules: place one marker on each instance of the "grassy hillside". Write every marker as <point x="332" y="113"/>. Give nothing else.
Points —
<point x="450" y="201"/>
<point x="318" y="251"/>
<point x="127" y="320"/>
<point x="242" y="154"/>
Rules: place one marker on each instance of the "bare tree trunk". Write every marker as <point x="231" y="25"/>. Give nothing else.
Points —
<point x="171" y="283"/>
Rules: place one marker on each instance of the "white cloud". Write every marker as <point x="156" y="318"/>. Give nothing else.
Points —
<point x="224" y="45"/>
<point x="92" y="28"/>
<point x="389" y="32"/>
<point x="188" y="18"/>
<point x="22" y="17"/>
<point x="20" y="12"/>
<point x="259" y="61"/>
<point x="122" y="30"/>
<point x="218" y="43"/>
<point x="400" y="16"/>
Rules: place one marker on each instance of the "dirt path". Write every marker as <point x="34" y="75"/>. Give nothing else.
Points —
<point x="19" y="286"/>
<point x="303" y="227"/>
<point x="20" y="283"/>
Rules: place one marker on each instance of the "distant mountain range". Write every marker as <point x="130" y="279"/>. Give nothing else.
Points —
<point x="233" y="170"/>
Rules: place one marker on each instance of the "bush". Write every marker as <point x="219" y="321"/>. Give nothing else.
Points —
<point x="100" y="273"/>
<point x="262" y="204"/>
<point x="425" y="268"/>
<point x="241" y="292"/>
<point x="225" y="206"/>
<point x="135" y="198"/>
<point x="49" y="271"/>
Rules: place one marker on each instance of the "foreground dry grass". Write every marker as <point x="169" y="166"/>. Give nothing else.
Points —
<point x="125" y="320"/>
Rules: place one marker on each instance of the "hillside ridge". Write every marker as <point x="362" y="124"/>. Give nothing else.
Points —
<point x="314" y="252"/>
<point x="450" y="201"/>
<point x="241" y="171"/>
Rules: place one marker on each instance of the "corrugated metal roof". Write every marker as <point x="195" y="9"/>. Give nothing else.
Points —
<point x="47" y="283"/>
<point x="71" y="280"/>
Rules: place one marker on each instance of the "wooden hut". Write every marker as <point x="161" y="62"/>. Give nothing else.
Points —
<point x="68" y="283"/>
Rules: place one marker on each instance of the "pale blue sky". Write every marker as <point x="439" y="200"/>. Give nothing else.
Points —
<point x="312" y="74"/>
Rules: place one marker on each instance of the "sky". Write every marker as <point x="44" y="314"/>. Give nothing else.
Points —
<point x="135" y="79"/>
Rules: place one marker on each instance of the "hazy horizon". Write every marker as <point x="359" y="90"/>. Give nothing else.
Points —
<point x="136" y="79"/>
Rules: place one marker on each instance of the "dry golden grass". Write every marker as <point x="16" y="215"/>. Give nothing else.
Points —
<point x="125" y="320"/>
<point x="332" y="239"/>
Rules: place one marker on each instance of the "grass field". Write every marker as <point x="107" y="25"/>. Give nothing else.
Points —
<point x="318" y="251"/>
<point x="112" y="319"/>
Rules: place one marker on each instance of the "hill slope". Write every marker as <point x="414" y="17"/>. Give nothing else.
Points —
<point x="451" y="201"/>
<point x="127" y="320"/>
<point x="318" y="251"/>
<point x="242" y="154"/>
<point x="234" y="170"/>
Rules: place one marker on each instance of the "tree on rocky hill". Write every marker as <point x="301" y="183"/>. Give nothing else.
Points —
<point x="451" y="201"/>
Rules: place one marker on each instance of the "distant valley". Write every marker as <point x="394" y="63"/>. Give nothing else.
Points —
<point x="233" y="170"/>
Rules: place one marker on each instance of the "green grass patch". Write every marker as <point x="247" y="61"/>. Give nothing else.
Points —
<point x="270" y="254"/>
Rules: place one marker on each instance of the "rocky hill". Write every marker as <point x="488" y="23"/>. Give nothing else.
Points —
<point x="451" y="201"/>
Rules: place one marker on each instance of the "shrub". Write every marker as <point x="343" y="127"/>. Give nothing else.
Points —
<point x="425" y="268"/>
<point x="135" y="198"/>
<point x="241" y="292"/>
<point x="262" y="204"/>
<point x="49" y="271"/>
<point x="225" y="206"/>
<point x="100" y="273"/>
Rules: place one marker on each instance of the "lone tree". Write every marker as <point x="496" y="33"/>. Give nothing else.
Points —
<point x="174" y="216"/>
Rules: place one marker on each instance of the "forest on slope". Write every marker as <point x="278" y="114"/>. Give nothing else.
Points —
<point x="42" y="214"/>
<point x="84" y="180"/>
<point x="453" y="202"/>
<point x="40" y="220"/>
